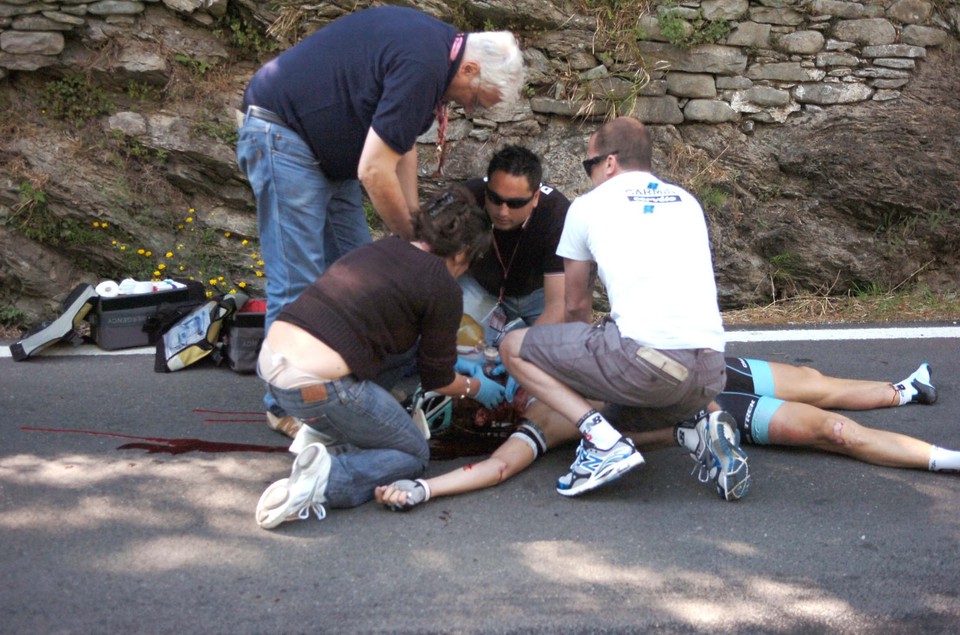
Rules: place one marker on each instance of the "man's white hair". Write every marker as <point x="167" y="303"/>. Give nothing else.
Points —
<point x="500" y="61"/>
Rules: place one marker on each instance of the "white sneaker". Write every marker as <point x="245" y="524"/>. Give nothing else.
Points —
<point x="594" y="467"/>
<point x="292" y="498"/>
<point x="714" y="443"/>
<point x="308" y="436"/>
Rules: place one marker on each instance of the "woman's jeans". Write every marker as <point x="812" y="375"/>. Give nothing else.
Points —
<point x="374" y="440"/>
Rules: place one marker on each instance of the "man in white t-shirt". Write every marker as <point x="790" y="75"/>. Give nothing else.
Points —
<point x="658" y="358"/>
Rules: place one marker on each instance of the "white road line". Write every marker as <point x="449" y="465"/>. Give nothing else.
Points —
<point x="853" y="334"/>
<point x="798" y="335"/>
<point x="63" y="350"/>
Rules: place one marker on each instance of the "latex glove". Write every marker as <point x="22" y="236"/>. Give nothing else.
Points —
<point x="415" y="492"/>
<point x="467" y="367"/>
<point x="512" y="386"/>
<point x="491" y="393"/>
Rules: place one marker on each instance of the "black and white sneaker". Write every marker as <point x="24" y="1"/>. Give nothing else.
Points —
<point x="920" y="384"/>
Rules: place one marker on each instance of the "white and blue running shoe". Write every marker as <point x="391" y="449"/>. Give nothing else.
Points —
<point x="594" y="467"/>
<point x="714" y="443"/>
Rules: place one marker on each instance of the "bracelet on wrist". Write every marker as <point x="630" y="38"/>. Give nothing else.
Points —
<point x="466" y="391"/>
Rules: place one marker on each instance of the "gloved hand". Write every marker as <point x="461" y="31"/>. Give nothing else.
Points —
<point x="416" y="492"/>
<point x="467" y="367"/>
<point x="491" y="393"/>
<point x="512" y="386"/>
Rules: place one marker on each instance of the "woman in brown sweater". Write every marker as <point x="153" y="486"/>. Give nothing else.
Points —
<point x="328" y="357"/>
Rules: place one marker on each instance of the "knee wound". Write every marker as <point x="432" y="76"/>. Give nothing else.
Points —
<point x="531" y="434"/>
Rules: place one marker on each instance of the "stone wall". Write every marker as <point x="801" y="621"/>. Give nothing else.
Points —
<point x="752" y="111"/>
<point x="33" y="33"/>
<point x="779" y="55"/>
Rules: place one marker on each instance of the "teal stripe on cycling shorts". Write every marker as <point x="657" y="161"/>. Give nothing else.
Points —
<point x="762" y="415"/>
<point x="762" y="377"/>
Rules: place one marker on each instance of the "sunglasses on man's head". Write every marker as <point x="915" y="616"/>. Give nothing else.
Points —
<point x="589" y="164"/>
<point x="512" y="203"/>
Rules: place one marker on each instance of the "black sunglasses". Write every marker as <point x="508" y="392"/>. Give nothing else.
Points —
<point x="589" y="164"/>
<point x="512" y="203"/>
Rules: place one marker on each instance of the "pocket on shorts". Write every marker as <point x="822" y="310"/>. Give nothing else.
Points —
<point x="668" y="369"/>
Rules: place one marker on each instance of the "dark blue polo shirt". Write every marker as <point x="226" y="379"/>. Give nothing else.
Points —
<point x="385" y="67"/>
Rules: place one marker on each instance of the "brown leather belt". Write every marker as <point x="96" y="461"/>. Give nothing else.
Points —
<point x="314" y="393"/>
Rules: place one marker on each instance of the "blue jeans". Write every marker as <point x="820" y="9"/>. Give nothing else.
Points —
<point x="305" y="220"/>
<point x="479" y="303"/>
<point x="380" y="442"/>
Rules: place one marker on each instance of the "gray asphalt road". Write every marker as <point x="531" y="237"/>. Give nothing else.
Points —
<point x="98" y="539"/>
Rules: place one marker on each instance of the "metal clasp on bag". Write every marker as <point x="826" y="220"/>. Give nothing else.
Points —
<point x="660" y="361"/>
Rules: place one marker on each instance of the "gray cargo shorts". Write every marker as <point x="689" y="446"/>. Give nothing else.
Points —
<point x="644" y="388"/>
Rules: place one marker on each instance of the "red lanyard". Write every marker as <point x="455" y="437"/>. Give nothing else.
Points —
<point x="441" y="110"/>
<point x="506" y="267"/>
<point x="441" y="133"/>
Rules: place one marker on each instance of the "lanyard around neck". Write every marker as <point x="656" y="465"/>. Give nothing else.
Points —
<point x="441" y="109"/>
<point x="506" y="266"/>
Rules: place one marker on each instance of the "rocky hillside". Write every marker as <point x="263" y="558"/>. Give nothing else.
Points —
<point x="820" y="135"/>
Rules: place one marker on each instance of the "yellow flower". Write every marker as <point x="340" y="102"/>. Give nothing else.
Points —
<point x="244" y="241"/>
<point x="226" y="234"/>
<point x="180" y="246"/>
<point x="156" y="274"/>
<point x="148" y="254"/>
<point x="189" y="219"/>
<point x="242" y="285"/>
<point x="96" y="224"/>
<point x="233" y="290"/>
<point x="123" y="247"/>
<point x="213" y="282"/>
<point x="113" y="242"/>
<point x="259" y="274"/>
<point x="161" y="266"/>
<point x="140" y="251"/>
<point x="220" y="278"/>
<point x="209" y="294"/>
<point x="104" y="224"/>
<point x="182" y="267"/>
<point x="191" y="211"/>
<point x="169" y="254"/>
<point x="180" y="226"/>
<point x="259" y="263"/>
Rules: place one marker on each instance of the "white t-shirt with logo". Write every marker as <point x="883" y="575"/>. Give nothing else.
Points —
<point x="649" y="240"/>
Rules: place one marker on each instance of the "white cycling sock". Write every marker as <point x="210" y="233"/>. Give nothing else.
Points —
<point x="943" y="460"/>
<point x="598" y="430"/>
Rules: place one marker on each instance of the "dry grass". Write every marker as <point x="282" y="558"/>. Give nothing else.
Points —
<point x="10" y="333"/>
<point x="916" y="306"/>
